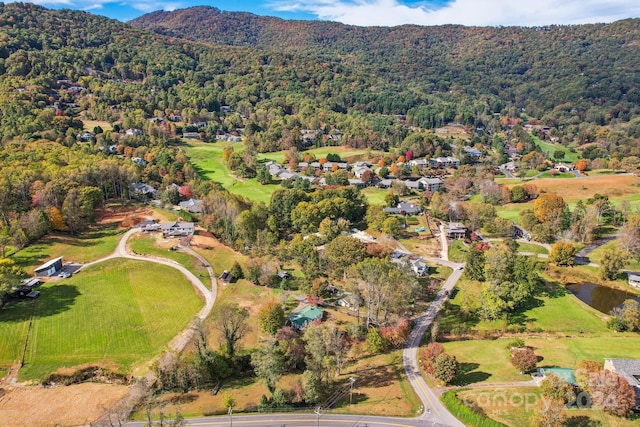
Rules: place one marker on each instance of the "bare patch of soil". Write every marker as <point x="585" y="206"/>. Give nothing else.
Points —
<point x="126" y="215"/>
<point x="69" y="406"/>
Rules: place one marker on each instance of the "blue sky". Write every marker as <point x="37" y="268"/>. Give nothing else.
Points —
<point x="386" y="12"/>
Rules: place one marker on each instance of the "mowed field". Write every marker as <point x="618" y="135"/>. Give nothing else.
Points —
<point x="120" y="311"/>
<point x="207" y="159"/>
<point x="618" y="187"/>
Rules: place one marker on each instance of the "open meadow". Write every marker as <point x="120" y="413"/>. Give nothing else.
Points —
<point x="120" y="312"/>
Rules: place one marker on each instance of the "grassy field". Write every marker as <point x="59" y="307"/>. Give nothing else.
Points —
<point x="531" y="248"/>
<point x="86" y="247"/>
<point x="120" y="311"/>
<point x="342" y="151"/>
<point x="549" y="148"/>
<point x="207" y="159"/>
<point x="517" y="407"/>
<point x="457" y="251"/>
<point x="90" y="124"/>
<point x="375" y="196"/>
<point x="145" y="244"/>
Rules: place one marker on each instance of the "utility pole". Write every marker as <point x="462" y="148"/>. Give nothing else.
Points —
<point x="230" y="412"/>
<point x="317" y="412"/>
<point x="351" y="381"/>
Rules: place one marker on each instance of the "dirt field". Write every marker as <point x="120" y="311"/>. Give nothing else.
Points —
<point x="583" y="188"/>
<point x="69" y="406"/>
<point x="126" y="215"/>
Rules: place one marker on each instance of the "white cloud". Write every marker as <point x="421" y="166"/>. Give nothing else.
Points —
<point x="141" y="5"/>
<point x="465" y="12"/>
<point x="152" y="6"/>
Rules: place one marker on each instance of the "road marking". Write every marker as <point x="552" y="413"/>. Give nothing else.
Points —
<point x="301" y="420"/>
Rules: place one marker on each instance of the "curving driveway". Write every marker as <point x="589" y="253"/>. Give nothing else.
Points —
<point x="181" y="340"/>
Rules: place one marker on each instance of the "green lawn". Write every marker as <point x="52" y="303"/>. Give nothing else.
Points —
<point x="561" y="175"/>
<point x="88" y="246"/>
<point x="342" y="151"/>
<point x="120" y="311"/>
<point x="207" y="159"/>
<point x="511" y="211"/>
<point x="375" y="196"/>
<point x="549" y="148"/>
<point x="457" y="251"/>
<point x="145" y="244"/>
<point x="531" y="248"/>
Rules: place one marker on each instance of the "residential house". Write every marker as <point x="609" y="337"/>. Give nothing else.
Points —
<point x="357" y="183"/>
<point x="85" y="136"/>
<point x="191" y="135"/>
<point x="634" y="279"/>
<point x="133" y="132"/>
<point x="328" y="167"/>
<point x="192" y="205"/>
<point x="418" y="163"/>
<point x="358" y="170"/>
<point x="419" y="267"/>
<point x="139" y="161"/>
<point x="412" y="185"/>
<point x="142" y="189"/>
<point x="177" y="229"/>
<point x="444" y="162"/>
<point x="404" y="208"/>
<point x="148" y="225"/>
<point x="629" y="369"/>
<point x="455" y="230"/>
<point x="49" y="268"/>
<point x="473" y="153"/>
<point x="563" y="167"/>
<point x="350" y="301"/>
<point x="385" y="183"/>
<point x="431" y="184"/>
<point x="300" y="319"/>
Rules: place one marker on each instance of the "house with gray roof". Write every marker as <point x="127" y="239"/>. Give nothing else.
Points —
<point x="177" y="229"/>
<point x="629" y="369"/>
<point x="404" y="208"/>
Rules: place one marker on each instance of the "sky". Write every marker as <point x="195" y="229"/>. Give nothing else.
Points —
<point x="385" y="12"/>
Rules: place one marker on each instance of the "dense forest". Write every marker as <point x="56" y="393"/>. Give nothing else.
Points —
<point x="556" y="72"/>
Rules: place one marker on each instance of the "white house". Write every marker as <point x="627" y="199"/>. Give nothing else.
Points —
<point x="177" y="229"/>
<point x="431" y="184"/>
<point x="634" y="279"/>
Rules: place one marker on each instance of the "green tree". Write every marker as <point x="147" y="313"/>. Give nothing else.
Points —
<point x="551" y="413"/>
<point x="391" y="199"/>
<point x="613" y="260"/>
<point x="392" y="226"/>
<point x="231" y="321"/>
<point x="263" y="176"/>
<point x="268" y="363"/>
<point x="271" y="317"/>
<point x="344" y="251"/>
<point x="10" y="276"/>
<point x="446" y="368"/>
<point x="475" y="260"/>
<point x="375" y="342"/>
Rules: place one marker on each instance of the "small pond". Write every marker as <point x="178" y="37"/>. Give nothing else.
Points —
<point x="601" y="298"/>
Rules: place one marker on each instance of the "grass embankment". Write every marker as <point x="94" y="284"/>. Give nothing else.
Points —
<point x="120" y="311"/>
<point x="457" y="251"/>
<point x="550" y="148"/>
<point x="519" y="406"/>
<point x="561" y="329"/>
<point x="464" y="413"/>
<point x="150" y="244"/>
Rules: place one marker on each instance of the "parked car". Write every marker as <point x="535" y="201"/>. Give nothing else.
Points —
<point x="64" y="274"/>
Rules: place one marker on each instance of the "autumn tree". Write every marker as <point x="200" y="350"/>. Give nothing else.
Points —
<point x="524" y="360"/>
<point x="547" y="207"/>
<point x="556" y="388"/>
<point x="271" y="317"/>
<point x="429" y="355"/>
<point x="551" y="413"/>
<point x="612" y="393"/>
<point x="344" y="251"/>
<point x="563" y="253"/>
<point x="584" y="370"/>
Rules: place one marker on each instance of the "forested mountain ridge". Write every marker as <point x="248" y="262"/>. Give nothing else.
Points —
<point x="536" y="69"/>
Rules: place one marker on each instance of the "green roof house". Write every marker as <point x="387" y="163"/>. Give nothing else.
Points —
<point x="301" y="318"/>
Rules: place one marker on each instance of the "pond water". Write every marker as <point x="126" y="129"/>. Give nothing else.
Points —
<point x="601" y="298"/>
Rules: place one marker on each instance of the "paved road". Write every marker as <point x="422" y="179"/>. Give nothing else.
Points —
<point x="305" y="420"/>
